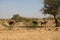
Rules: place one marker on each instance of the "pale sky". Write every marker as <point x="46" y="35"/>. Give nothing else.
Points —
<point x="26" y="8"/>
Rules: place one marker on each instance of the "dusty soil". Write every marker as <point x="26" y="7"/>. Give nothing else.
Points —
<point x="30" y="34"/>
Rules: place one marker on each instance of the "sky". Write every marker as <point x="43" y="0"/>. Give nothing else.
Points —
<point x="25" y="8"/>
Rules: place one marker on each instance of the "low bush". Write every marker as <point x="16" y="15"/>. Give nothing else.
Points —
<point x="34" y="24"/>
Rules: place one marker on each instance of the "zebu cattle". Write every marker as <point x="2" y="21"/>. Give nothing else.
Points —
<point x="10" y="22"/>
<point x="43" y="22"/>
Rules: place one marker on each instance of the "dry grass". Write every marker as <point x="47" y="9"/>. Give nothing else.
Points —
<point x="47" y="33"/>
<point x="24" y="34"/>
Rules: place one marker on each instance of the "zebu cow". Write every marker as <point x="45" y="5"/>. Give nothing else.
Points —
<point x="43" y="22"/>
<point x="10" y="22"/>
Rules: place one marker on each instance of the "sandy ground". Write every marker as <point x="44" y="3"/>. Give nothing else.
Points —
<point x="25" y="34"/>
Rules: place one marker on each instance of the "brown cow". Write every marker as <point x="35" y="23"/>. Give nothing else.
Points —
<point x="43" y="22"/>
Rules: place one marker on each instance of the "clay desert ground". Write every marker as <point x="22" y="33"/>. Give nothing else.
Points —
<point x="46" y="33"/>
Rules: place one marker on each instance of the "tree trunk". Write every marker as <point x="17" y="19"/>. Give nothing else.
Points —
<point x="56" y="21"/>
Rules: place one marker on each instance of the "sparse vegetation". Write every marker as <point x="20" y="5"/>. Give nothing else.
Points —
<point x="17" y="18"/>
<point x="27" y="31"/>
